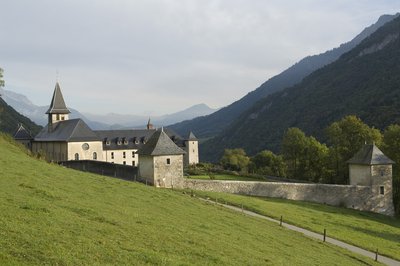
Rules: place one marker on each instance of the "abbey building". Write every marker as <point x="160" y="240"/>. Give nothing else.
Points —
<point x="65" y="139"/>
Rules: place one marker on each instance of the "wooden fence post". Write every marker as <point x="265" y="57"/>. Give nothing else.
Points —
<point x="324" y="235"/>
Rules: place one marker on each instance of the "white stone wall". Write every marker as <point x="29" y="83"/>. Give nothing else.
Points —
<point x="192" y="153"/>
<point x="146" y="168"/>
<point x="168" y="175"/>
<point x="360" y="175"/>
<point x="58" y="117"/>
<point x="117" y="156"/>
<point x="76" y="148"/>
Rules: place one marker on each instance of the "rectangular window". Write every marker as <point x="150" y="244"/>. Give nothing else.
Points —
<point x="168" y="161"/>
<point x="382" y="190"/>
<point x="133" y="154"/>
<point x="124" y="162"/>
<point x="112" y="155"/>
<point x="133" y="163"/>
<point x="124" y="155"/>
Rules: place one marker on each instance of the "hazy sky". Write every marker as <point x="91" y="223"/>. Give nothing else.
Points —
<point x="161" y="56"/>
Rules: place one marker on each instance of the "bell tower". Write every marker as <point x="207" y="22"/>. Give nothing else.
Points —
<point x="57" y="111"/>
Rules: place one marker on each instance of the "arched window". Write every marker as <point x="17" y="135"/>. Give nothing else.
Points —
<point x="76" y="157"/>
<point x="94" y="155"/>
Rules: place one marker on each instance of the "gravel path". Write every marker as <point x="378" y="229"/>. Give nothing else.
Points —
<point x="372" y="255"/>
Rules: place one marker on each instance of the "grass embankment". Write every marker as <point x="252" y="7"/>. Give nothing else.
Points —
<point x="225" y="177"/>
<point x="363" y="229"/>
<point x="53" y="215"/>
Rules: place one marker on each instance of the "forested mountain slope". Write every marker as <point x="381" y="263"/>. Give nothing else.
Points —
<point x="211" y="125"/>
<point x="364" y="82"/>
<point x="9" y="120"/>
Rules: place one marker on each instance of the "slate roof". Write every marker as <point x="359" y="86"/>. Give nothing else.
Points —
<point x="57" y="105"/>
<point x="191" y="136"/>
<point x="68" y="130"/>
<point x="160" y="144"/>
<point x="369" y="154"/>
<point x="132" y="139"/>
<point x="22" y="134"/>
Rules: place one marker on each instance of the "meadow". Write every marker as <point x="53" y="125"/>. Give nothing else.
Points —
<point x="364" y="229"/>
<point x="54" y="215"/>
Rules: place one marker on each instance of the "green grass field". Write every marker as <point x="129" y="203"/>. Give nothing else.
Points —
<point x="363" y="229"/>
<point x="53" y="215"/>
<point x="225" y="177"/>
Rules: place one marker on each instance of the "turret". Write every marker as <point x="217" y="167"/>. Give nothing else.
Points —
<point x="57" y="111"/>
<point x="370" y="167"/>
<point x="192" y="150"/>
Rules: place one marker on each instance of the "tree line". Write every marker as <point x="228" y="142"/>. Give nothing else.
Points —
<point x="305" y="158"/>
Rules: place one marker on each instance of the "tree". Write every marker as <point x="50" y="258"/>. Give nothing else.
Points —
<point x="235" y="159"/>
<point x="314" y="162"/>
<point x="268" y="163"/>
<point x="391" y="148"/>
<point x="293" y="145"/>
<point x="346" y="137"/>
<point x="306" y="157"/>
<point x="1" y="78"/>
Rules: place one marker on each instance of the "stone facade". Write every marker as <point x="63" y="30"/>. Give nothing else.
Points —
<point x="192" y="152"/>
<point x="162" y="171"/>
<point x="361" y="198"/>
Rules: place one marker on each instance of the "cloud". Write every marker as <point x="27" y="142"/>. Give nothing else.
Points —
<point x="160" y="56"/>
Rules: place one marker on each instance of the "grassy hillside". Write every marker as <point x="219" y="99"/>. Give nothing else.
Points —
<point x="363" y="229"/>
<point x="53" y="215"/>
<point x="363" y="82"/>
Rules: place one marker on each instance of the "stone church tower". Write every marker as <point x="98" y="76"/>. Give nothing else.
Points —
<point x="370" y="167"/>
<point x="57" y="111"/>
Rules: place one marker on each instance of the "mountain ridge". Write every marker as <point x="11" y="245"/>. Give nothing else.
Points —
<point x="211" y="125"/>
<point x="364" y="81"/>
<point x="36" y="113"/>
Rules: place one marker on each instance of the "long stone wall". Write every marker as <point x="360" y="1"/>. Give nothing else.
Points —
<point x="355" y="197"/>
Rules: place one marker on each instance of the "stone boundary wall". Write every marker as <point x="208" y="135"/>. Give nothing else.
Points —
<point x="355" y="197"/>
<point x="103" y="168"/>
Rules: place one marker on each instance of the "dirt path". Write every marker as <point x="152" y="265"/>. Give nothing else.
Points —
<point x="381" y="258"/>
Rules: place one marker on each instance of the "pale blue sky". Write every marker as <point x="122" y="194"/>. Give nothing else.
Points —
<point x="161" y="56"/>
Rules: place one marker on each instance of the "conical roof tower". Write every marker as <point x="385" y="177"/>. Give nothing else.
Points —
<point x="57" y="105"/>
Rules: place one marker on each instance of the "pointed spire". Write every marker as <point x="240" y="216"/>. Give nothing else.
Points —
<point x="149" y="125"/>
<point x="57" y="105"/>
<point x="191" y="136"/>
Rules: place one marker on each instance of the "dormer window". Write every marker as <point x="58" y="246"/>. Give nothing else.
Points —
<point x="143" y="139"/>
<point x="119" y="142"/>
<point x="125" y="141"/>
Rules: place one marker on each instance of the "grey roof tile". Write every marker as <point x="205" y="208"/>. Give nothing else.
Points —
<point x="57" y="105"/>
<point x="191" y="136"/>
<point x="132" y="138"/>
<point x="160" y="144"/>
<point x="369" y="154"/>
<point x="22" y="134"/>
<point x="68" y="130"/>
